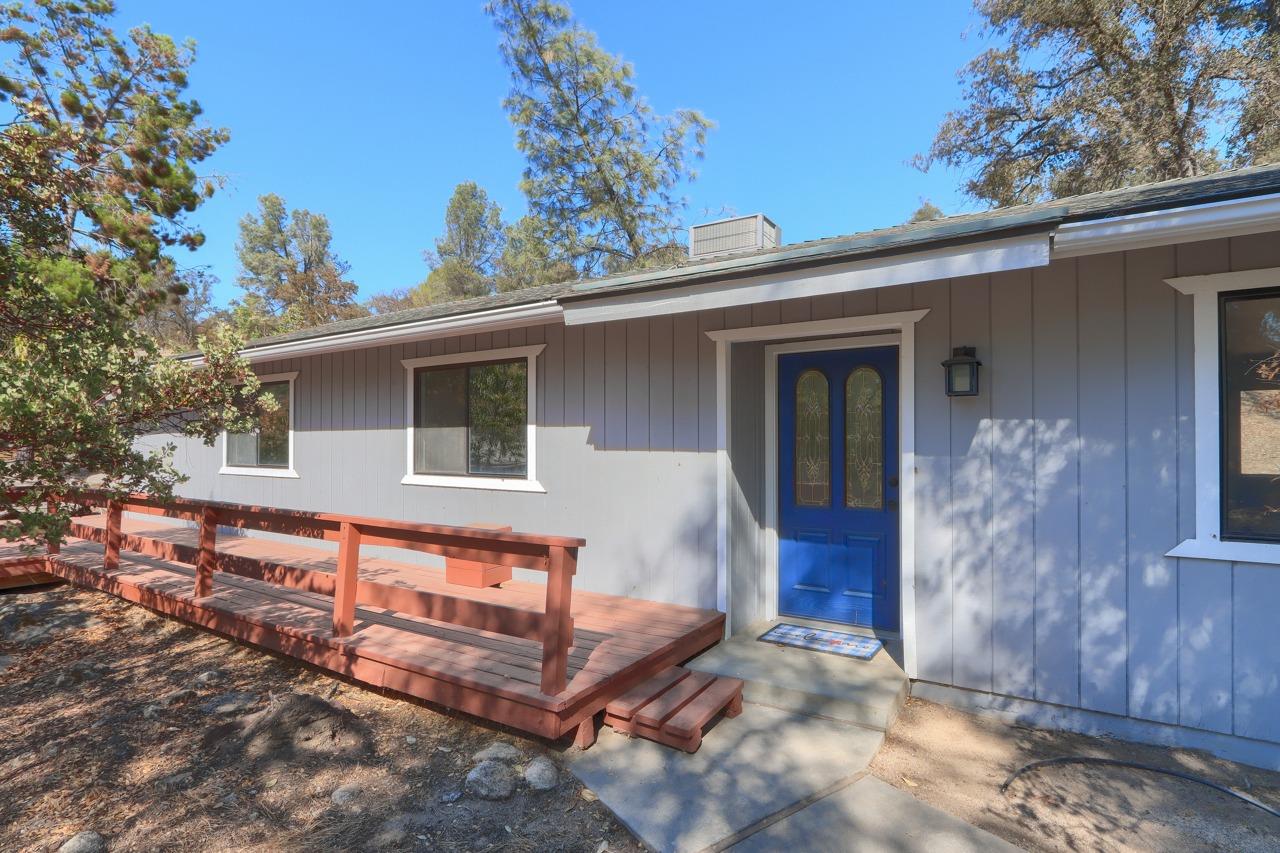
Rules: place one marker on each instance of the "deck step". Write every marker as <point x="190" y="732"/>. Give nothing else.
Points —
<point x="675" y="706"/>
<point x="23" y="570"/>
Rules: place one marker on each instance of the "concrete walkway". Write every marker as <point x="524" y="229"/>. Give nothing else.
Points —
<point x="790" y="773"/>
<point x="869" y="693"/>
<point x="767" y="780"/>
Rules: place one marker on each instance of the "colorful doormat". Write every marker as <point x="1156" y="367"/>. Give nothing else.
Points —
<point x="819" y="640"/>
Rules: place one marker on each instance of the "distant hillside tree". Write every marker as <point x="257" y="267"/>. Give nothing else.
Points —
<point x="396" y="299"/>
<point x="926" y="212"/>
<point x="289" y="270"/>
<point x="528" y="259"/>
<point x="465" y="257"/>
<point x="480" y="255"/>
<point x="177" y="322"/>
<point x="604" y="171"/>
<point x="1086" y="95"/>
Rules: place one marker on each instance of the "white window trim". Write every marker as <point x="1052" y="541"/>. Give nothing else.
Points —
<point x="528" y="483"/>
<point x="254" y="471"/>
<point x="1208" y="544"/>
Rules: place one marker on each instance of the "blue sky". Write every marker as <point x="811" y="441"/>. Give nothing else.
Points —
<point x="372" y="116"/>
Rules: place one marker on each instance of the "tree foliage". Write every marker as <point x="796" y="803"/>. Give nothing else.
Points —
<point x="528" y="259"/>
<point x="177" y="322"/>
<point x="926" y="212"/>
<point x="1087" y="95"/>
<point x="479" y="255"/>
<point x="603" y="169"/>
<point x="97" y="173"/>
<point x="465" y="259"/>
<point x="291" y="275"/>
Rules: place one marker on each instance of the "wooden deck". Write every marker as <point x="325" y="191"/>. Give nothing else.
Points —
<point x="19" y="568"/>
<point x="617" y="643"/>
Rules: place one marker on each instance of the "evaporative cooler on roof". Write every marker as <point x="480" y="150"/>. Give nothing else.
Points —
<point x="740" y="234"/>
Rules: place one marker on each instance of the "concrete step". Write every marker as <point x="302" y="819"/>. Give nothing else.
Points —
<point x="865" y="693"/>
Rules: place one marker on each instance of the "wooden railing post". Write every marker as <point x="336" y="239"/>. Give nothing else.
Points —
<point x="52" y="507"/>
<point x="557" y="625"/>
<point x="207" y="561"/>
<point x="344" y="592"/>
<point x="111" y="557"/>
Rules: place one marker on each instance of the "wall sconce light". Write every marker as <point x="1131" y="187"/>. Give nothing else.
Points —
<point x="962" y="372"/>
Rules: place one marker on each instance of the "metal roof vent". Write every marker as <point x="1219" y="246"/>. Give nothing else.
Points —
<point x="739" y="234"/>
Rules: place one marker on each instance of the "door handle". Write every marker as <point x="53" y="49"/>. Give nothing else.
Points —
<point x="893" y="482"/>
<point x="893" y="506"/>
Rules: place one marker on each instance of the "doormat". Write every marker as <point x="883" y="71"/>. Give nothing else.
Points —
<point x="819" y="640"/>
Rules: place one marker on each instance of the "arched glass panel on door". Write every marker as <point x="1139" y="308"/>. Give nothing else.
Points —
<point x="864" y="439"/>
<point x="813" y="440"/>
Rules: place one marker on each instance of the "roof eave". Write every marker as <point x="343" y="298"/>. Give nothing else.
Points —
<point x="492" y="320"/>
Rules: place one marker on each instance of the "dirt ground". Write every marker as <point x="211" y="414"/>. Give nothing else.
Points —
<point x="120" y="722"/>
<point x="958" y="761"/>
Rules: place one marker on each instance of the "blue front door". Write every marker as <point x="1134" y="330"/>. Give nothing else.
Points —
<point x="838" y="486"/>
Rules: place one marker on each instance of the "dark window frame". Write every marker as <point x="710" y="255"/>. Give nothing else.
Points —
<point x="467" y="367"/>
<point x="287" y="465"/>
<point x="1228" y="417"/>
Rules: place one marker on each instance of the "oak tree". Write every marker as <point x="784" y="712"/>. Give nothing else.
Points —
<point x="1087" y="95"/>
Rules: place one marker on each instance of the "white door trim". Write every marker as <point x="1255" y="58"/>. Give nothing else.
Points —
<point x="899" y="329"/>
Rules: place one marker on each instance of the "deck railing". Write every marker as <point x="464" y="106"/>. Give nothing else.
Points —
<point x="555" y="555"/>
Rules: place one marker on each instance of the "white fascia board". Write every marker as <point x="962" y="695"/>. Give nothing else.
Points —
<point x="1163" y="227"/>
<point x="497" y="319"/>
<point x="1010" y="253"/>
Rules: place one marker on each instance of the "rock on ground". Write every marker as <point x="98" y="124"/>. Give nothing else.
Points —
<point x="541" y="774"/>
<point x="491" y="780"/>
<point x="304" y="724"/>
<point x="84" y="842"/>
<point x="211" y="676"/>
<point x="229" y="703"/>
<point x="499" y="751"/>
<point x="344" y="794"/>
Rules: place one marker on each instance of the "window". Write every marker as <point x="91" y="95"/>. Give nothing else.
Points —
<point x="268" y="450"/>
<point x="471" y="420"/>
<point x="864" y="439"/>
<point x="1250" y="382"/>
<point x="813" y="445"/>
<point x="1236" y="335"/>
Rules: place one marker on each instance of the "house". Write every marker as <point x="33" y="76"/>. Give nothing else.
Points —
<point x="1074" y="521"/>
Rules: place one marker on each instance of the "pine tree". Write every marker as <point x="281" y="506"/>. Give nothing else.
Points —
<point x="99" y="150"/>
<point x="289" y="268"/>
<point x="604" y="170"/>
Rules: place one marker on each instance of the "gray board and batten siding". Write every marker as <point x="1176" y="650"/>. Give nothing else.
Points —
<point x="1044" y="506"/>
